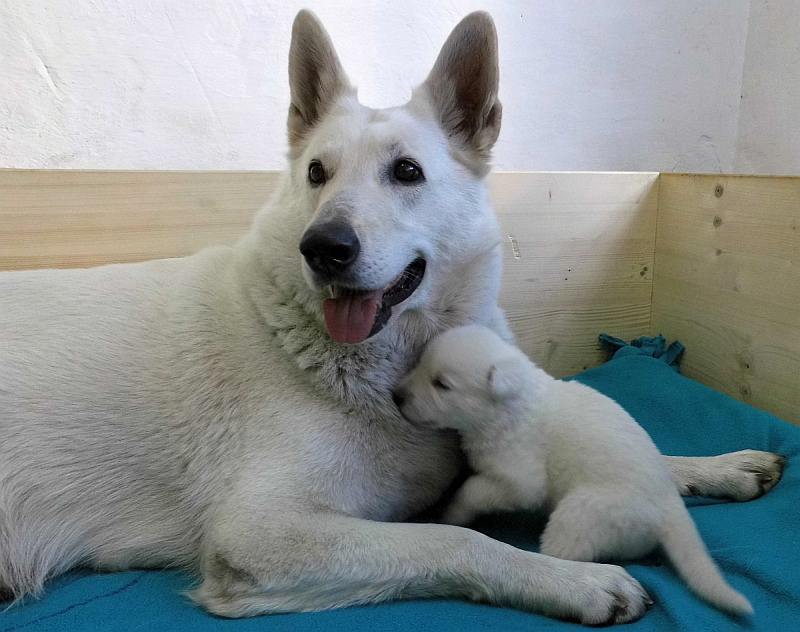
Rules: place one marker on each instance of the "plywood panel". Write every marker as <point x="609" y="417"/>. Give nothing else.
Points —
<point x="727" y="283"/>
<point x="578" y="260"/>
<point x="578" y="246"/>
<point x="86" y="218"/>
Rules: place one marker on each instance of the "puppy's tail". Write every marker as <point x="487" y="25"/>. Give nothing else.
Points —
<point x="689" y="556"/>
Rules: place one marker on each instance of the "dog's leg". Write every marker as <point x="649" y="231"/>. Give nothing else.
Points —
<point x="742" y="475"/>
<point x="478" y="495"/>
<point x="591" y="524"/>
<point x="284" y="562"/>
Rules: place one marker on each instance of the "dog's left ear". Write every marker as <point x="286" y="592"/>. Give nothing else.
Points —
<point x="463" y="85"/>
<point x="316" y="78"/>
<point x="505" y="378"/>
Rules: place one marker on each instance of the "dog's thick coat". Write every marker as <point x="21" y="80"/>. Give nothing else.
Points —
<point x="536" y="443"/>
<point x="196" y="412"/>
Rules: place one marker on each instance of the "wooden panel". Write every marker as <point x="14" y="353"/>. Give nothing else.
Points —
<point x="578" y="260"/>
<point x="727" y="283"/>
<point x="578" y="249"/>
<point x="84" y="218"/>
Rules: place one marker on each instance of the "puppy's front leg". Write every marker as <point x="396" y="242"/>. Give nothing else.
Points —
<point x="479" y="494"/>
<point x="284" y="560"/>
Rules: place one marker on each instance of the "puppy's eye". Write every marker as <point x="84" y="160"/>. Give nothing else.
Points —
<point x="406" y="171"/>
<point x="437" y="383"/>
<point x="316" y="173"/>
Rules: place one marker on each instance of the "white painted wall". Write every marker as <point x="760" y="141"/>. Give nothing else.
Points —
<point x="670" y="85"/>
<point x="768" y="138"/>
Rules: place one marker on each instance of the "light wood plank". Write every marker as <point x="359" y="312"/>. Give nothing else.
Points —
<point x="578" y="261"/>
<point x="727" y="283"/>
<point x="583" y="241"/>
<point x="84" y="218"/>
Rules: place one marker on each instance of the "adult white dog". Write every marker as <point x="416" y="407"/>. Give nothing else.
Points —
<point x="231" y="411"/>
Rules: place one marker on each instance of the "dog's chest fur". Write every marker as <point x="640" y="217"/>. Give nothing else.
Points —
<point x="358" y="454"/>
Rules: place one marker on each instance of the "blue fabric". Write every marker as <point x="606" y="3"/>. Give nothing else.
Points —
<point x="654" y="346"/>
<point x="755" y="543"/>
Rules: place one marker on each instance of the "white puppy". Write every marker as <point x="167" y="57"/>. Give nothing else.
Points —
<point x="537" y="442"/>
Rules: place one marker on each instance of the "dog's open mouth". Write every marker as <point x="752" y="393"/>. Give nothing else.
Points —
<point x="353" y="315"/>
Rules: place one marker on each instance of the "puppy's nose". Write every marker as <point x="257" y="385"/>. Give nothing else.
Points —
<point x="398" y="397"/>
<point x="331" y="247"/>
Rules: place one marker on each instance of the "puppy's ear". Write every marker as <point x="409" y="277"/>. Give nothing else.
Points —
<point x="316" y="78"/>
<point x="506" y="378"/>
<point x="463" y="84"/>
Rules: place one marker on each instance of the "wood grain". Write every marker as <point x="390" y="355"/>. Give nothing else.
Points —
<point x="578" y="260"/>
<point x="581" y="260"/>
<point x="86" y="218"/>
<point x="727" y="283"/>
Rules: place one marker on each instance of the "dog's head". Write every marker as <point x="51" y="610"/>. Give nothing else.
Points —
<point x="393" y="200"/>
<point x="466" y="379"/>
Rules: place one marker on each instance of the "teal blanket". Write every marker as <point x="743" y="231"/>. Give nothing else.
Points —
<point x="755" y="543"/>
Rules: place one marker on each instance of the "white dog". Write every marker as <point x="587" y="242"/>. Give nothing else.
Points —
<point x="537" y="442"/>
<point x="231" y="411"/>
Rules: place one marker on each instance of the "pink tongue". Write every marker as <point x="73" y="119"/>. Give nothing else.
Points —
<point x="350" y="318"/>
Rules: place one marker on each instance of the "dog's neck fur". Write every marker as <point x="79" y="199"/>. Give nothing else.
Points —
<point x="359" y="376"/>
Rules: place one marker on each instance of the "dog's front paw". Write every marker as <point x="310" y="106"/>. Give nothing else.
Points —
<point x="605" y="595"/>
<point x="751" y="473"/>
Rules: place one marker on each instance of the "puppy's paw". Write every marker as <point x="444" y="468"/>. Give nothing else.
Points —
<point x="751" y="473"/>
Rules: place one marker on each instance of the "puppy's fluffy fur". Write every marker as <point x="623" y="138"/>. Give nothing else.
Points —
<point x="537" y="442"/>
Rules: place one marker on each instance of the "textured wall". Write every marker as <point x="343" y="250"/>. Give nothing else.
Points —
<point x="769" y="117"/>
<point x="587" y="85"/>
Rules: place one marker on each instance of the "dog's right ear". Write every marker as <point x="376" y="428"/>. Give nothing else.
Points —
<point x="316" y="78"/>
<point x="463" y="85"/>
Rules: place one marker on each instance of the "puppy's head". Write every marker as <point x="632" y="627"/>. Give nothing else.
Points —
<point x="392" y="202"/>
<point x="465" y="379"/>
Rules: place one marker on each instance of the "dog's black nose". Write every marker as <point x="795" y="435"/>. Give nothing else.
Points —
<point x="330" y="248"/>
<point x="398" y="397"/>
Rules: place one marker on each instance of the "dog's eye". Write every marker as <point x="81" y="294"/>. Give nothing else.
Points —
<point x="407" y="171"/>
<point x="437" y="383"/>
<point x="316" y="173"/>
